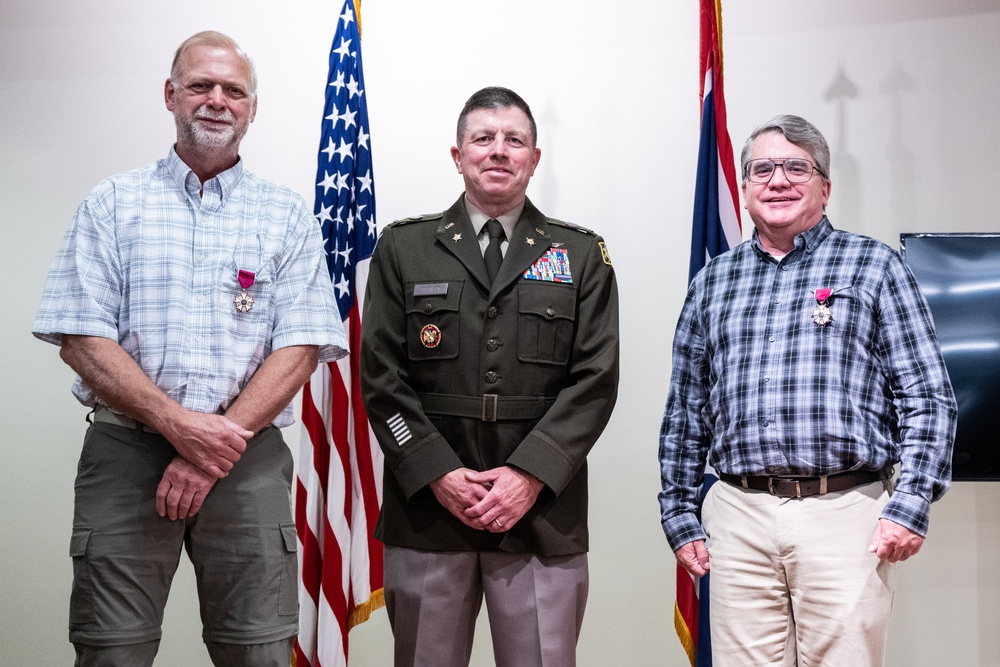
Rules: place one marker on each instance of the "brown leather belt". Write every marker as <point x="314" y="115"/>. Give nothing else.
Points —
<point x="802" y="487"/>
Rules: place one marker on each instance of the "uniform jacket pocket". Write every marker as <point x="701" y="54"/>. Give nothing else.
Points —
<point x="432" y="320"/>
<point x="546" y="316"/>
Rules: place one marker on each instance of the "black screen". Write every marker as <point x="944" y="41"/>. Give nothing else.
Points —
<point x="959" y="275"/>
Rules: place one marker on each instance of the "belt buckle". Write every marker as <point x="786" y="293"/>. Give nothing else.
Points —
<point x="490" y="414"/>
<point x="774" y="492"/>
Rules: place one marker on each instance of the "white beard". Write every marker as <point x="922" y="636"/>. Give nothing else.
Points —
<point x="201" y="136"/>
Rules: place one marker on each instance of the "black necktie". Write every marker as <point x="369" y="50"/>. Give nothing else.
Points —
<point x="493" y="256"/>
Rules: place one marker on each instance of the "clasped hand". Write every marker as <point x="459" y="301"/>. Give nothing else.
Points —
<point x="212" y="443"/>
<point x="493" y="500"/>
<point x="208" y="447"/>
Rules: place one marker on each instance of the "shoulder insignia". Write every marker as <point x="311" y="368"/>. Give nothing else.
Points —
<point x="418" y="218"/>
<point x="570" y="225"/>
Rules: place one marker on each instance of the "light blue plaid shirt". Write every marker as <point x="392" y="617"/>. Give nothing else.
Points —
<point x="759" y="388"/>
<point x="152" y="264"/>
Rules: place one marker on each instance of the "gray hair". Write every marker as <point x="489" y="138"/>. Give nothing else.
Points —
<point x="797" y="131"/>
<point x="495" y="97"/>
<point x="217" y="39"/>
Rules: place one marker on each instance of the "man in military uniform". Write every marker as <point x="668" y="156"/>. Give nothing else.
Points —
<point x="489" y="366"/>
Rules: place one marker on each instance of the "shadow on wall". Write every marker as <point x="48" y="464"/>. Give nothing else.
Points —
<point x="841" y="91"/>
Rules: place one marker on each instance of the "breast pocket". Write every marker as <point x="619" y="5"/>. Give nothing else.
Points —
<point x="246" y="312"/>
<point x="433" y="331"/>
<point x="838" y="320"/>
<point x="546" y="313"/>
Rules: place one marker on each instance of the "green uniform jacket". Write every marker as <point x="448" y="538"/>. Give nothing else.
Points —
<point x="442" y="355"/>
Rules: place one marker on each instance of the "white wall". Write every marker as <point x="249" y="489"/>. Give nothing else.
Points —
<point x="614" y="87"/>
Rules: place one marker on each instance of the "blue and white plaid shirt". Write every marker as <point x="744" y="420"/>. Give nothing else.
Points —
<point x="761" y="389"/>
<point x="152" y="264"/>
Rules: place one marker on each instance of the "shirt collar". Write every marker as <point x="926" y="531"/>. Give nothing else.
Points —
<point x="507" y="220"/>
<point x="808" y="240"/>
<point x="188" y="181"/>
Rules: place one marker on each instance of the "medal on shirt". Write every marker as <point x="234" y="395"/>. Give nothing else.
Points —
<point x="243" y="301"/>
<point x="821" y="315"/>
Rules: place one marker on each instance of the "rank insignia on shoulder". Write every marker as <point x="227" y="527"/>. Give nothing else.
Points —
<point x="571" y="225"/>
<point x="419" y="218"/>
<point x="553" y="267"/>
<point x="605" y="255"/>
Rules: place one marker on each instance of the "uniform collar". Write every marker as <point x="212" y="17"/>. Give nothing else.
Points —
<point x="508" y="220"/>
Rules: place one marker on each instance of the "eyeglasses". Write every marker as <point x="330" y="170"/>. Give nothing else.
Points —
<point x="797" y="170"/>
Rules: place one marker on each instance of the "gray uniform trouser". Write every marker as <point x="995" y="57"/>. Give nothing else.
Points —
<point x="242" y="545"/>
<point x="535" y="605"/>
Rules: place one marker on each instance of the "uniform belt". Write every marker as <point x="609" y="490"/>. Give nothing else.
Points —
<point x="108" y="416"/>
<point x="488" y="407"/>
<point x="801" y="487"/>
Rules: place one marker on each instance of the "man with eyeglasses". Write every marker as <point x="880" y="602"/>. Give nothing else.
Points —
<point x="805" y="366"/>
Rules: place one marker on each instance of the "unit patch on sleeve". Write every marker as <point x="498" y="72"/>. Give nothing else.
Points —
<point x="551" y="267"/>
<point x="605" y="255"/>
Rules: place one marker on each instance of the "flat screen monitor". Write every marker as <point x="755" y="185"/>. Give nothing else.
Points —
<point x="959" y="275"/>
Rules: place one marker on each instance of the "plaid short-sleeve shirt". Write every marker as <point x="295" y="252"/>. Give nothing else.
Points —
<point x="152" y="260"/>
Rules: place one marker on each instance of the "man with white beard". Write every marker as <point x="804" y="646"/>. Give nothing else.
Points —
<point x="193" y="301"/>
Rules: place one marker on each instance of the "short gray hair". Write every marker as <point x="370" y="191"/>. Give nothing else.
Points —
<point x="798" y="131"/>
<point x="212" y="38"/>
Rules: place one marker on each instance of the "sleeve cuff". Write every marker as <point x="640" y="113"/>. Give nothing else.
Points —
<point x="425" y="462"/>
<point x="540" y="455"/>
<point x="681" y="529"/>
<point x="910" y="511"/>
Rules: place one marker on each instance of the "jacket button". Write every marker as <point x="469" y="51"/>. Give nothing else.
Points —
<point x="491" y="377"/>
<point x="492" y="312"/>
<point x="428" y="307"/>
<point x="492" y="345"/>
<point x="550" y="312"/>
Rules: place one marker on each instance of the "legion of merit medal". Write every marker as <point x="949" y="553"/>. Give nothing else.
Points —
<point x="821" y="315"/>
<point x="243" y="300"/>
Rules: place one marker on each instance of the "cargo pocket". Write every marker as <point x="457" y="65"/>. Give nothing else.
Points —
<point x="288" y="595"/>
<point x="545" y="320"/>
<point x="81" y="599"/>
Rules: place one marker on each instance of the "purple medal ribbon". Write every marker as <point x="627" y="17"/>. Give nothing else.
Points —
<point x="246" y="278"/>
<point x="243" y="301"/>
<point x="821" y="315"/>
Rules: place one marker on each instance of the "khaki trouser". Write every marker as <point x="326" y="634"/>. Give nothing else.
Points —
<point x="792" y="581"/>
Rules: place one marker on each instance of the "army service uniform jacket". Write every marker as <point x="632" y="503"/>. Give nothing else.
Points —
<point x="456" y="374"/>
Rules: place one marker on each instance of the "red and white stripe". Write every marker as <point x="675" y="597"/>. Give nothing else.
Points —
<point x="337" y="499"/>
<point x="729" y="188"/>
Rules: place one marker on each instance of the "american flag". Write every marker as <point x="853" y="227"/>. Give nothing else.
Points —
<point x="716" y="228"/>
<point x="339" y="489"/>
